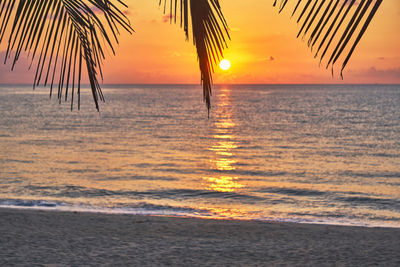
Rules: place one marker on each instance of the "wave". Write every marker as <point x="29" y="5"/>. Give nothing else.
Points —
<point x="376" y="203"/>
<point x="29" y="203"/>
<point x="259" y="196"/>
<point x="353" y="198"/>
<point x="371" y="174"/>
<point x="144" y="208"/>
<point x="137" y="209"/>
<point x="175" y="194"/>
<point x="137" y="177"/>
<point x="292" y="191"/>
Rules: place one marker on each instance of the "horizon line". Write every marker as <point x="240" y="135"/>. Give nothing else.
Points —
<point x="197" y="84"/>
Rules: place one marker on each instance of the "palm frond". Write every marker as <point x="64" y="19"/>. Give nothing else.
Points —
<point x="210" y="34"/>
<point x="334" y="26"/>
<point x="61" y="35"/>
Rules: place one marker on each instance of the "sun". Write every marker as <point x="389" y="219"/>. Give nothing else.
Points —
<point x="225" y="64"/>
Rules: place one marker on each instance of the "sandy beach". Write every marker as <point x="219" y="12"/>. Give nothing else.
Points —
<point x="45" y="238"/>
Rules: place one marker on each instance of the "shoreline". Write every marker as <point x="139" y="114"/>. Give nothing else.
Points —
<point x="183" y="216"/>
<point x="35" y="237"/>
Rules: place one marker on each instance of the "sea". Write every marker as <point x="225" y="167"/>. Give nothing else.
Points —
<point x="324" y="154"/>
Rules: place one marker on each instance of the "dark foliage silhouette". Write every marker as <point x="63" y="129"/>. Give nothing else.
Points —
<point x="324" y="20"/>
<point x="63" y="37"/>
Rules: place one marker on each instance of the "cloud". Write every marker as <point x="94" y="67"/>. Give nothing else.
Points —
<point x="96" y="10"/>
<point x="20" y="74"/>
<point x="372" y="74"/>
<point x="348" y="3"/>
<point x="167" y="18"/>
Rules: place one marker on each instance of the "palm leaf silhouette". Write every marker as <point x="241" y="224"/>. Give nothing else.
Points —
<point x="349" y="17"/>
<point x="317" y="18"/>
<point x="62" y="37"/>
<point x="210" y="32"/>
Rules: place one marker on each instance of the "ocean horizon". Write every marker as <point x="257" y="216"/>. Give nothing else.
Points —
<point x="320" y="153"/>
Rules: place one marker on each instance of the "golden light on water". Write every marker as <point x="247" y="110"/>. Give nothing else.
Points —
<point x="223" y="183"/>
<point x="224" y="147"/>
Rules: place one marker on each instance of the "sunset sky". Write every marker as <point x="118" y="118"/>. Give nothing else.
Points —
<point x="263" y="49"/>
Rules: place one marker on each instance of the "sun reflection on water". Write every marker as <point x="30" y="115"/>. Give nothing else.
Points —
<point x="224" y="146"/>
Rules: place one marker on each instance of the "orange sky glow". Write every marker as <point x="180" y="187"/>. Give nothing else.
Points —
<point x="263" y="49"/>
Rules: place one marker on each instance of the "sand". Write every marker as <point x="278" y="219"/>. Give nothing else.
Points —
<point x="46" y="238"/>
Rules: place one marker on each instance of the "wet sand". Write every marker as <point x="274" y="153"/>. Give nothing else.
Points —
<point x="45" y="238"/>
